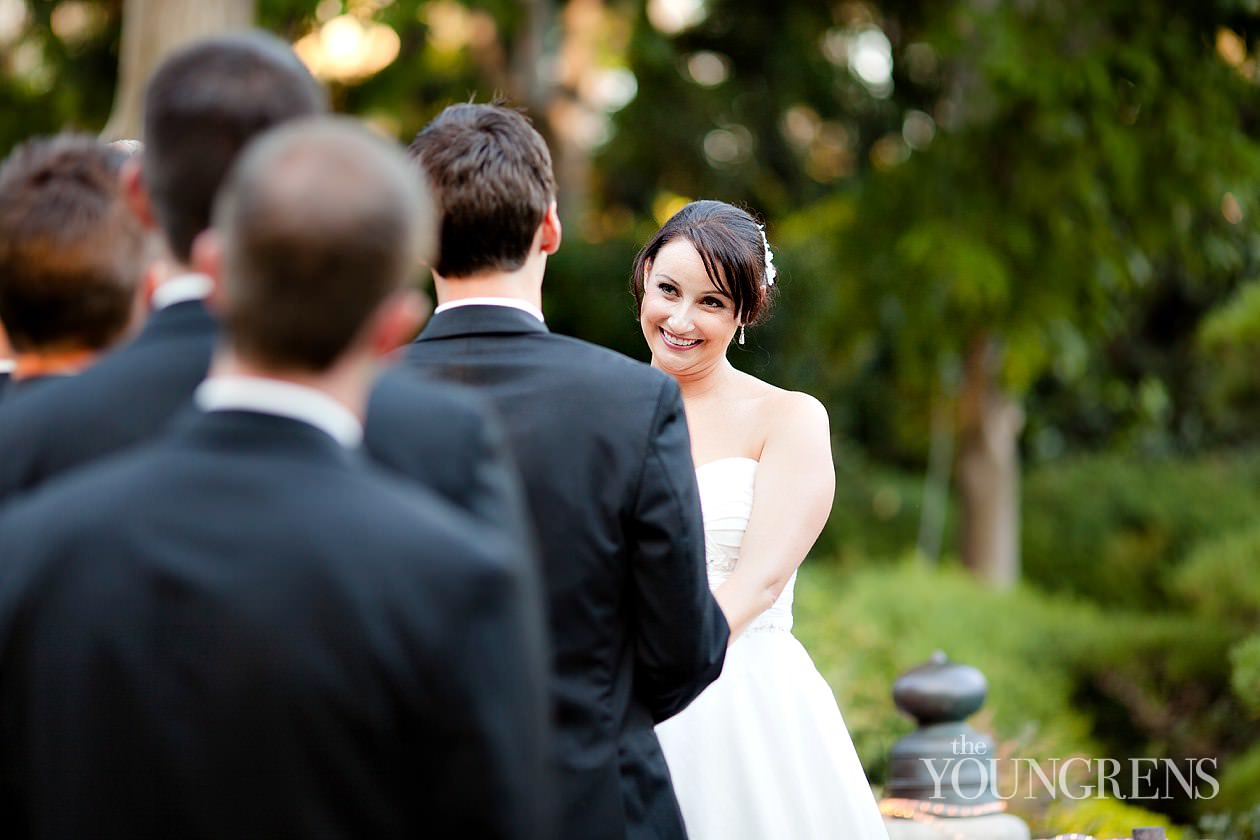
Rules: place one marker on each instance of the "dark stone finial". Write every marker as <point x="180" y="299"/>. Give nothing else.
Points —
<point x="940" y="695"/>
<point x="939" y="691"/>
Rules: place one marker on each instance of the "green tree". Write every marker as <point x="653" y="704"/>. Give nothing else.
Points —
<point x="1062" y="158"/>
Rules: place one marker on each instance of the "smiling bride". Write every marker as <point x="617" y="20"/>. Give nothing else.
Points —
<point x="763" y="752"/>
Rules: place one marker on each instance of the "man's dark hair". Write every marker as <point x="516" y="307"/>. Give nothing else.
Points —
<point x="730" y="244"/>
<point x="202" y="105"/>
<point x="491" y="175"/>
<point x="71" y="252"/>
<point x="321" y="221"/>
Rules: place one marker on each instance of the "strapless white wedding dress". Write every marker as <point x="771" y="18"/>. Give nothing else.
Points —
<point x="763" y="752"/>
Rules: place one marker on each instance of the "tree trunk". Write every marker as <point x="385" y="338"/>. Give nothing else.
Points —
<point x="572" y="119"/>
<point x="528" y="86"/>
<point x="152" y="29"/>
<point x="553" y="100"/>
<point x="936" y="481"/>
<point x="988" y="469"/>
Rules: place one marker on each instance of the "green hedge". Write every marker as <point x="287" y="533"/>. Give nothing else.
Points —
<point x="1221" y="577"/>
<point x="1245" y="658"/>
<point x="1116" y="529"/>
<point x="1240" y="784"/>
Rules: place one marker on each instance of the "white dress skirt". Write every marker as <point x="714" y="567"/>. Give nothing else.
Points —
<point x="763" y="752"/>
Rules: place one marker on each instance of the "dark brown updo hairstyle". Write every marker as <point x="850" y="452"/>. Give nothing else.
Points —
<point x="730" y="244"/>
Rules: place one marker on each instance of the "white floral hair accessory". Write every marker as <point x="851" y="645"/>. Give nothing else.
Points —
<point x="771" y="271"/>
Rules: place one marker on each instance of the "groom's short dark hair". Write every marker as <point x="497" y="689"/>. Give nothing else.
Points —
<point x="491" y="174"/>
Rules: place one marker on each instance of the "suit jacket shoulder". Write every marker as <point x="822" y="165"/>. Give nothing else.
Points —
<point x="449" y="440"/>
<point x="125" y="398"/>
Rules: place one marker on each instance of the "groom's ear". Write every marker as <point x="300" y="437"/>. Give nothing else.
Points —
<point x="550" y="229"/>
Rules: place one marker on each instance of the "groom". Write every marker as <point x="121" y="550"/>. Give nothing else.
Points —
<point x="602" y="445"/>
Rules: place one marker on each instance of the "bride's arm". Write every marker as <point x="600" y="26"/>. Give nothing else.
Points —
<point x="791" y="502"/>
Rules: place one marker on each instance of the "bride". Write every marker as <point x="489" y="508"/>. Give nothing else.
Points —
<point x="763" y="753"/>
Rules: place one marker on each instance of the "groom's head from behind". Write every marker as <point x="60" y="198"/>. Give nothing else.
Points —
<point x="491" y="175"/>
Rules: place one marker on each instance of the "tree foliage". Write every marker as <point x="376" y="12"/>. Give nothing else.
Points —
<point x="1091" y="161"/>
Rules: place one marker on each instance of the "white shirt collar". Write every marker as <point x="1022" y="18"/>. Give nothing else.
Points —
<point x="513" y="303"/>
<point x="7" y="365"/>
<point x="284" y="399"/>
<point x="181" y="288"/>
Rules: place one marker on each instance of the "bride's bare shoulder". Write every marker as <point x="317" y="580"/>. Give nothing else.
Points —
<point x="788" y="413"/>
<point x="799" y="415"/>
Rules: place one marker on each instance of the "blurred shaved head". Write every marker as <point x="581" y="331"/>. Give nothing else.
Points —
<point x="320" y="222"/>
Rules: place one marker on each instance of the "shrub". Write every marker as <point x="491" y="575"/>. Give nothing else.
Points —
<point x="1224" y="826"/>
<point x="1103" y="818"/>
<point x="1245" y="658"/>
<point x="1115" y="530"/>
<point x="1240" y="785"/>
<point x="1221" y="577"/>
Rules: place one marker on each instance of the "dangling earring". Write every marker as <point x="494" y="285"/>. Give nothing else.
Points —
<point x="741" y="335"/>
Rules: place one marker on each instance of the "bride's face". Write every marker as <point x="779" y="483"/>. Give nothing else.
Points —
<point x="688" y="322"/>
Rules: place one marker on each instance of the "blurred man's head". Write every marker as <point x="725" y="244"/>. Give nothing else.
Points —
<point x="491" y="175"/>
<point x="317" y="231"/>
<point x="71" y="253"/>
<point x="201" y="107"/>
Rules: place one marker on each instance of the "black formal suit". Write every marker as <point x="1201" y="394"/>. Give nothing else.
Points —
<point x="244" y="630"/>
<point x="602" y="445"/>
<point x="440" y="436"/>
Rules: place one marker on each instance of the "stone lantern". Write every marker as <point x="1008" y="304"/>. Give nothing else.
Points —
<point x="940" y="776"/>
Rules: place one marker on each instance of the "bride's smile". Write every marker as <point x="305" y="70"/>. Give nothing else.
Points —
<point x="678" y="342"/>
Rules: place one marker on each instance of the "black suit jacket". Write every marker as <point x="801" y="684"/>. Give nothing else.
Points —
<point x="28" y="385"/>
<point x="125" y="398"/>
<point x="602" y="445"/>
<point x="440" y="436"/>
<point x="246" y="631"/>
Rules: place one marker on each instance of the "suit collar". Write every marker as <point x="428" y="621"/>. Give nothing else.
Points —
<point x="256" y="433"/>
<point x="511" y="303"/>
<point x="282" y="399"/>
<point x="182" y="288"/>
<point x="480" y="320"/>
<point x="189" y="317"/>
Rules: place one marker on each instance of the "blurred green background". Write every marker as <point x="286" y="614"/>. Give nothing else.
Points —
<point x="1019" y="262"/>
